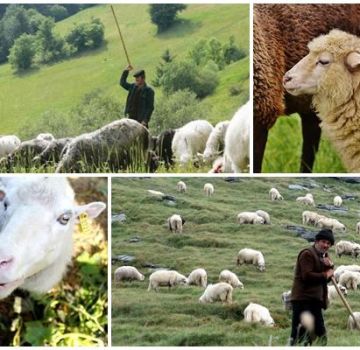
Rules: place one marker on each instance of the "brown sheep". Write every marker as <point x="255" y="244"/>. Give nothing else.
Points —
<point x="281" y="35"/>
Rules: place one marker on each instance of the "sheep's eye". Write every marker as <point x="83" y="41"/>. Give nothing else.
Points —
<point x="323" y="62"/>
<point x="6" y="205"/>
<point x="63" y="219"/>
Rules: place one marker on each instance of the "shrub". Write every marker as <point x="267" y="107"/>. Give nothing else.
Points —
<point x="164" y="15"/>
<point x="22" y="52"/>
<point x="233" y="53"/>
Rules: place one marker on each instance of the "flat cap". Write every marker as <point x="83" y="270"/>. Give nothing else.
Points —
<point x="139" y="73"/>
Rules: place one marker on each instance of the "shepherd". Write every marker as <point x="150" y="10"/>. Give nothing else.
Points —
<point x="309" y="292"/>
<point x="140" y="99"/>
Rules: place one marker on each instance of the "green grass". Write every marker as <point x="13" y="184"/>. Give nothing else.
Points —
<point x="211" y="239"/>
<point x="23" y="98"/>
<point x="283" y="150"/>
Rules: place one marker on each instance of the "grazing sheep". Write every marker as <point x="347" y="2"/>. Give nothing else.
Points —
<point x="286" y="299"/>
<point x="333" y="294"/>
<point x="281" y="34"/>
<point x="251" y="256"/>
<point x="231" y="278"/>
<point x="311" y="218"/>
<point x="181" y="186"/>
<point x="175" y="223"/>
<point x="36" y="235"/>
<point x="342" y="268"/>
<point x="255" y="313"/>
<point x="331" y="224"/>
<point x="209" y="189"/>
<point x="337" y="201"/>
<point x="217" y="292"/>
<point x="347" y="248"/>
<point x="215" y="143"/>
<point x="54" y="151"/>
<point x="129" y="273"/>
<point x="190" y="140"/>
<point x="163" y="147"/>
<point x="237" y="141"/>
<point x="264" y="215"/>
<point x="247" y="217"/>
<point x="329" y="74"/>
<point x="307" y="200"/>
<point x="169" y="278"/>
<point x="275" y="195"/>
<point x="117" y="145"/>
<point x="350" y="279"/>
<point x="8" y="144"/>
<point x="358" y="228"/>
<point x="351" y="324"/>
<point x="198" y="277"/>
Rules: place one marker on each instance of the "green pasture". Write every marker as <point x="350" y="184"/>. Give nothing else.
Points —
<point x="211" y="239"/>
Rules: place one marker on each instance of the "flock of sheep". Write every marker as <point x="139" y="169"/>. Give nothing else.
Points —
<point x="347" y="276"/>
<point x="127" y="145"/>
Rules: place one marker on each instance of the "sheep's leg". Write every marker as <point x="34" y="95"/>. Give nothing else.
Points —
<point x="260" y="138"/>
<point x="311" y="136"/>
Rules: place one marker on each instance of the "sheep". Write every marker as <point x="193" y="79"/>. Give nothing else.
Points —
<point x="337" y="201"/>
<point x="163" y="147"/>
<point x="264" y="215"/>
<point x="275" y="195"/>
<point x="347" y="248"/>
<point x="231" y="278"/>
<point x="170" y="278"/>
<point x="333" y="294"/>
<point x="116" y="145"/>
<point x="332" y="224"/>
<point x="329" y="74"/>
<point x="255" y="313"/>
<point x="53" y="151"/>
<point x="247" y="217"/>
<point x="8" y="144"/>
<point x="128" y="273"/>
<point x="198" y="277"/>
<point x="358" y="227"/>
<point x="351" y="324"/>
<point x="307" y="200"/>
<point x="215" y="143"/>
<point x="311" y="217"/>
<point x="343" y="268"/>
<point x="45" y="137"/>
<point x="217" y="292"/>
<point x="350" y="279"/>
<point x="281" y="33"/>
<point x="209" y="189"/>
<point x="286" y="299"/>
<point x="36" y="235"/>
<point x="181" y="186"/>
<point x="251" y="256"/>
<point x="189" y="140"/>
<point x="175" y="223"/>
<point x="237" y="141"/>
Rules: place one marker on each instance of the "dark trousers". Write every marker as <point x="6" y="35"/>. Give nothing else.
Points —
<point x="299" y="336"/>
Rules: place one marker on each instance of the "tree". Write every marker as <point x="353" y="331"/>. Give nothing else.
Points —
<point x="232" y="52"/>
<point x="164" y="15"/>
<point x="166" y="58"/>
<point x="22" y="52"/>
<point x="58" y="12"/>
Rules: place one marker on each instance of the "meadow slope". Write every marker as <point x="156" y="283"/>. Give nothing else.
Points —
<point x="59" y="87"/>
<point x="212" y="239"/>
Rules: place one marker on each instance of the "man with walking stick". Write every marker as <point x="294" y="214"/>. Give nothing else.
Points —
<point x="309" y="292"/>
<point x="140" y="99"/>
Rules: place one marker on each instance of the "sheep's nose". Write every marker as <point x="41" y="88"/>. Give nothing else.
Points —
<point x="287" y="78"/>
<point x="5" y="262"/>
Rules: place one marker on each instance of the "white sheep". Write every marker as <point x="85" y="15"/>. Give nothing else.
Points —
<point x="275" y="195"/>
<point x="333" y="294"/>
<point x="307" y="200"/>
<point x="251" y="256"/>
<point x="264" y="215"/>
<point x="169" y="278"/>
<point x="347" y="248"/>
<point x="231" y="278"/>
<point x="247" y="217"/>
<point x="217" y="292"/>
<point x="358" y="227"/>
<point x="129" y="273"/>
<point x="342" y="268"/>
<point x="181" y="186"/>
<point x="198" y="277"/>
<point x="209" y="189"/>
<point x="237" y="141"/>
<point x="311" y="217"/>
<point x="8" y="144"/>
<point x="351" y="324"/>
<point x="36" y="237"/>
<point x="337" y="201"/>
<point x="190" y="140"/>
<point x="255" y="313"/>
<point x="350" y="279"/>
<point x="331" y="224"/>
<point x="45" y="137"/>
<point x="175" y="223"/>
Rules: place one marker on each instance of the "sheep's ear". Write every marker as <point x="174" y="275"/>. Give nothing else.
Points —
<point x="353" y="60"/>
<point x="92" y="209"/>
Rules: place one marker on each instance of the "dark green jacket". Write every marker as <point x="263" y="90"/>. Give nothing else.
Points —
<point x="146" y="106"/>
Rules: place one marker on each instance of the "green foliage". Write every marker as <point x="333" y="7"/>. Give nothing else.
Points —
<point x="166" y="58"/>
<point x="22" y="52"/>
<point x="232" y="52"/>
<point x="58" y="12"/>
<point x="164" y="15"/>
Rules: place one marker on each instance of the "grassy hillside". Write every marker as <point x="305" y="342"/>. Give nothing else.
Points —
<point x="23" y="98"/>
<point x="283" y="150"/>
<point x="212" y="239"/>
